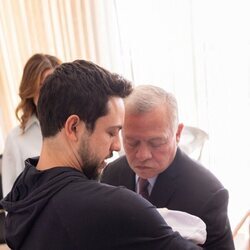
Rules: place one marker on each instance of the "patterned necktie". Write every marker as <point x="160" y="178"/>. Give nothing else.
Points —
<point x="143" y="188"/>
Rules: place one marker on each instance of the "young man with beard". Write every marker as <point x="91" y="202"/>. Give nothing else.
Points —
<point x="55" y="203"/>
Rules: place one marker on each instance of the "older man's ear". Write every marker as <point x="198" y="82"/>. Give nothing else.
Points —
<point x="179" y="131"/>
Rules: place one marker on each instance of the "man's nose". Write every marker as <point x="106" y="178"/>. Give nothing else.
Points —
<point x="143" y="152"/>
<point x="116" y="145"/>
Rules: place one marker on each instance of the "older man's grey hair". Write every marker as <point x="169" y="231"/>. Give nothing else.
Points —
<point x="145" y="98"/>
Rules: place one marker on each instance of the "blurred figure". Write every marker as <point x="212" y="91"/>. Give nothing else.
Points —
<point x="25" y="140"/>
<point x="151" y="133"/>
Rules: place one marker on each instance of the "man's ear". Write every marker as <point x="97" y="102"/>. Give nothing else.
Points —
<point x="179" y="131"/>
<point x="72" y="127"/>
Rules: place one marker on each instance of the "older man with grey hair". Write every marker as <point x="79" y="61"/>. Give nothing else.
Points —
<point x="155" y="166"/>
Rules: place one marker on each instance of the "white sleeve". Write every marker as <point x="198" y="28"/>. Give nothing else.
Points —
<point x="189" y="226"/>
<point x="12" y="164"/>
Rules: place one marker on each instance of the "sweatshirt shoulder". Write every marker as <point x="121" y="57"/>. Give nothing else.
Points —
<point x="93" y="196"/>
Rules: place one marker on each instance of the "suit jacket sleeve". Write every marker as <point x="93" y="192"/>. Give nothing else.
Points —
<point x="214" y="212"/>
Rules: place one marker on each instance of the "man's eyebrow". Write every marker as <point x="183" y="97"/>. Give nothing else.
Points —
<point x="157" y="139"/>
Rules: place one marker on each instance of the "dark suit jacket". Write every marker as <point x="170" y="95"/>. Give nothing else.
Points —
<point x="186" y="186"/>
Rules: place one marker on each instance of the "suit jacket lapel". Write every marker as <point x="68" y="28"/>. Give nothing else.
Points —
<point x="127" y="176"/>
<point x="166" y="184"/>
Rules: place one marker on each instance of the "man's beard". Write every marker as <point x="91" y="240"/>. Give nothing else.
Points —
<point x="90" y="163"/>
<point x="91" y="169"/>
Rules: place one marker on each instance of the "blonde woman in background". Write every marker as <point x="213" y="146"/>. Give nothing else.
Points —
<point x="25" y="140"/>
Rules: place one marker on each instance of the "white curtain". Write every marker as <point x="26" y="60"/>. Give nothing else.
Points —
<point x="197" y="49"/>
<point x="200" y="51"/>
<point x="69" y="29"/>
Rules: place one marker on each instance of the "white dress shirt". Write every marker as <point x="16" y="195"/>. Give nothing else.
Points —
<point x="18" y="147"/>
<point x="150" y="185"/>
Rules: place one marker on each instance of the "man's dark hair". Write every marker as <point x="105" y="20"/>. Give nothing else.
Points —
<point x="81" y="88"/>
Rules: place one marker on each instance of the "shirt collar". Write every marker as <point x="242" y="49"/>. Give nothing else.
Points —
<point x="151" y="180"/>
<point x="32" y="120"/>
